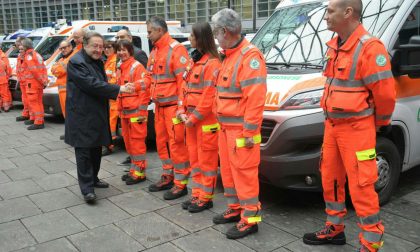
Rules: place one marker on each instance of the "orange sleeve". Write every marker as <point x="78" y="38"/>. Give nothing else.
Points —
<point x="205" y="105"/>
<point x="377" y="76"/>
<point x="39" y="71"/>
<point x="179" y="63"/>
<point x="7" y="65"/>
<point x="58" y="69"/>
<point x="144" y="93"/>
<point x="252" y="79"/>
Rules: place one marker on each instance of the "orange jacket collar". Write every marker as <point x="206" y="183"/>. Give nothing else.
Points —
<point x="351" y="41"/>
<point x="163" y="41"/>
<point x="231" y="51"/>
<point x="79" y="47"/>
<point x="127" y="63"/>
<point x="112" y="57"/>
<point x="203" y="59"/>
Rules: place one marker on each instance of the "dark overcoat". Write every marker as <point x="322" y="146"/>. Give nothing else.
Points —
<point x="87" y="108"/>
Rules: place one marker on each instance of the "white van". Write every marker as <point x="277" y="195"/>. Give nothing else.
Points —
<point x="293" y="41"/>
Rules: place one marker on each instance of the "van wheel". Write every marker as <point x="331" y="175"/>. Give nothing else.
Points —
<point x="389" y="168"/>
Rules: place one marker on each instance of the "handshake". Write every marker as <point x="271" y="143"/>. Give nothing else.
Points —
<point x="128" y="88"/>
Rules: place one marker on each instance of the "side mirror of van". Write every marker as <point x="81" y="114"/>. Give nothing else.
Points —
<point x="406" y="59"/>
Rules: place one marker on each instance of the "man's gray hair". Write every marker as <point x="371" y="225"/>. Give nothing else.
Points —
<point x="27" y="43"/>
<point x="229" y="19"/>
<point x="90" y="35"/>
<point x="158" y="22"/>
<point x="128" y="31"/>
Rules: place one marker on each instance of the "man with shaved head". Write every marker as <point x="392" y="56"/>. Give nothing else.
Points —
<point x="78" y="35"/>
<point x="358" y="101"/>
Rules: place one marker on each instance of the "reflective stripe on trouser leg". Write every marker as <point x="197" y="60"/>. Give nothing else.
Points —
<point x="162" y="142"/>
<point x="137" y="133"/>
<point x="333" y="175"/>
<point x="244" y="166"/>
<point x="225" y="171"/>
<point x="372" y="231"/>
<point x="177" y="146"/>
<point x="36" y="106"/>
<point x="191" y="139"/>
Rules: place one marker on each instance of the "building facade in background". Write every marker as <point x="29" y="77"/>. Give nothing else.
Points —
<point x="30" y="14"/>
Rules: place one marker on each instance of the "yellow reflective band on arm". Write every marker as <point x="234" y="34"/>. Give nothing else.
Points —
<point x="138" y="174"/>
<point x="184" y="182"/>
<point x="209" y="196"/>
<point x="254" y="219"/>
<point x="211" y="127"/>
<point x="240" y="142"/>
<point x="176" y="121"/>
<point x="138" y="119"/>
<point x="378" y="246"/>
<point x="366" y="155"/>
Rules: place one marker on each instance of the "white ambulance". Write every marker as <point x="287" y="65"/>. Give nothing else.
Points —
<point x="293" y="41"/>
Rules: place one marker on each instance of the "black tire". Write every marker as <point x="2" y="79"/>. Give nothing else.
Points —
<point x="389" y="168"/>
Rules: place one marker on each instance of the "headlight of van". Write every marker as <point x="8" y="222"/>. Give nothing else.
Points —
<point x="307" y="100"/>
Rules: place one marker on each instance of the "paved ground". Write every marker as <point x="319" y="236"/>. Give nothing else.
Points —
<point x="41" y="208"/>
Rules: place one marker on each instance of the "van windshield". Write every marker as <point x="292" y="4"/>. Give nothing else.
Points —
<point x="49" y="46"/>
<point x="6" y="45"/>
<point x="298" y="35"/>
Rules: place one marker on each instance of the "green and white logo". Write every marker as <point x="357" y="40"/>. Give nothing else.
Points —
<point x="381" y="60"/>
<point x="254" y="64"/>
<point x="183" y="60"/>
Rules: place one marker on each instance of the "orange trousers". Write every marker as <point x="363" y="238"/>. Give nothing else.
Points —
<point x="202" y="150"/>
<point x="343" y="154"/>
<point x="113" y="117"/>
<point x="5" y="96"/>
<point x="134" y="135"/>
<point x="36" y="106"/>
<point x="62" y="97"/>
<point x="25" y="111"/>
<point x="239" y="170"/>
<point x="171" y="146"/>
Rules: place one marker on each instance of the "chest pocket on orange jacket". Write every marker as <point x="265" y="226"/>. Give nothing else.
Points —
<point x="195" y="85"/>
<point x="342" y="67"/>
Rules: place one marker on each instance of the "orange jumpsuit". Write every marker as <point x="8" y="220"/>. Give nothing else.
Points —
<point x="59" y="70"/>
<point x="359" y="96"/>
<point x="197" y="98"/>
<point x="132" y="107"/>
<point x="22" y="84"/>
<point x="166" y="65"/>
<point x="111" y="74"/>
<point x="35" y="75"/>
<point x="241" y="90"/>
<point x="5" y="72"/>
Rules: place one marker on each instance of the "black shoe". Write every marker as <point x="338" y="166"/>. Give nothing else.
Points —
<point x="62" y="137"/>
<point x="187" y="203"/>
<point x="164" y="183"/>
<point x="106" y="151"/>
<point x="101" y="184"/>
<point x="328" y="234"/>
<point x="127" y="161"/>
<point x="36" y="126"/>
<point x="22" y="118"/>
<point x="200" y="206"/>
<point x="230" y="215"/>
<point x="131" y="181"/>
<point x="175" y="193"/>
<point x="29" y="122"/>
<point x="240" y="230"/>
<point x="6" y="110"/>
<point x="89" y="198"/>
<point x="125" y="177"/>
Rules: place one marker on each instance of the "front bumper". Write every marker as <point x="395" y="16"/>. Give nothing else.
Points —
<point x="51" y="101"/>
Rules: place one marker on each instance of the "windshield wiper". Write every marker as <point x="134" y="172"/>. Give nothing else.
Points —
<point x="291" y="64"/>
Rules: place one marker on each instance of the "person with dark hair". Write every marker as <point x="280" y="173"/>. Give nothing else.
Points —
<point x="133" y="112"/>
<point x="167" y="63"/>
<point x="139" y="54"/>
<point x="87" y="123"/>
<point x="111" y="74"/>
<point x="196" y="110"/>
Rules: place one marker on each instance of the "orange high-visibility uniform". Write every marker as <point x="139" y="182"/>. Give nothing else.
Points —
<point x="166" y="65"/>
<point x="197" y="98"/>
<point x="59" y="70"/>
<point x="22" y="83"/>
<point x="359" y="95"/>
<point x="241" y="90"/>
<point x="111" y="74"/>
<point x="35" y="75"/>
<point x="5" y="72"/>
<point x="131" y="107"/>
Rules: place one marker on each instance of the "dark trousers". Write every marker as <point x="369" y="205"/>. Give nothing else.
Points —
<point x="88" y="162"/>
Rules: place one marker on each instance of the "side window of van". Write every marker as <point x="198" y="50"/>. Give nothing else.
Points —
<point x="137" y="42"/>
<point x="411" y="26"/>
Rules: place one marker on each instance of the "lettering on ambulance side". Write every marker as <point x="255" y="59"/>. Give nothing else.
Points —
<point x="272" y="99"/>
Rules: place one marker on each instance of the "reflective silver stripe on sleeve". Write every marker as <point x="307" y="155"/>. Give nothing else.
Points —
<point x="336" y="206"/>
<point x="179" y="70"/>
<point x="383" y="117"/>
<point x="249" y="82"/>
<point x="377" y="77"/>
<point x="372" y="236"/>
<point x="190" y="109"/>
<point x="225" y="119"/>
<point x="198" y="115"/>
<point x="345" y="83"/>
<point x="335" y="219"/>
<point x="335" y="115"/>
<point x="250" y="126"/>
<point x="369" y="220"/>
<point x="251" y="201"/>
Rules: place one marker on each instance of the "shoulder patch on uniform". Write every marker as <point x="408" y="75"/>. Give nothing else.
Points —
<point x="183" y="60"/>
<point x="254" y="64"/>
<point x="29" y="57"/>
<point x="381" y="60"/>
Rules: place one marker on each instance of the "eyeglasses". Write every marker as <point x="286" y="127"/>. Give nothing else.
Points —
<point x="108" y="47"/>
<point x="96" y="46"/>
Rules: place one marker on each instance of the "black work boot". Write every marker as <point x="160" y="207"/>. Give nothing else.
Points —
<point x="22" y="118"/>
<point x="29" y="122"/>
<point x="125" y="177"/>
<point x="230" y="215"/>
<point x="188" y="202"/>
<point x="165" y="183"/>
<point x="329" y="234"/>
<point x="131" y="181"/>
<point x="175" y="193"/>
<point x="199" y="206"/>
<point x="241" y="229"/>
<point x="36" y="126"/>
